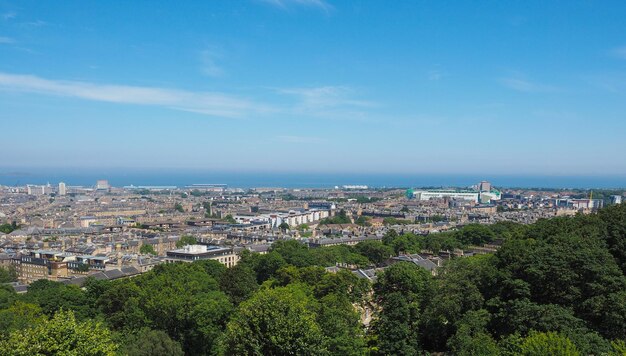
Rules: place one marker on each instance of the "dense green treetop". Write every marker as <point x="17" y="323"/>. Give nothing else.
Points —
<point x="147" y="249"/>
<point x="278" y="321"/>
<point x="8" y="228"/>
<point x="61" y="335"/>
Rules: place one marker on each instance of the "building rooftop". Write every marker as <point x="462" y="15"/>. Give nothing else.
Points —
<point x="198" y="249"/>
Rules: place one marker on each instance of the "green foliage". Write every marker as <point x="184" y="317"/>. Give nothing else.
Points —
<point x="405" y="243"/>
<point x="472" y="336"/>
<point x="122" y="305"/>
<point x="613" y="219"/>
<point x="436" y="218"/>
<point x="283" y="226"/>
<point x="289" y="197"/>
<point x="147" y="342"/>
<point x="212" y="267"/>
<point x="507" y="230"/>
<point x="297" y="254"/>
<point x="574" y="272"/>
<point x="54" y="296"/>
<point x="181" y="299"/>
<point x="400" y="292"/>
<point x="62" y="335"/>
<point x="340" y="218"/>
<point x="347" y="284"/>
<point x="8" y="274"/>
<point x="619" y="348"/>
<point x="336" y="316"/>
<point x="339" y="322"/>
<point x="238" y="283"/>
<point x="19" y="316"/>
<point x="148" y="249"/>
<point x="475" y="234"/>
<point x="7" y="295"/>
<point x="389" y="236"/>
<point x="179" y="207"/>
<point x="196" y="193"/>
<point x="457" y="291"/>
<point x="278" y="321"/>
<point x="548" y="343"/>
<point x="267" y="265"/>
<point x="375" y="251"/>
<point x="294" y="253"/>
<point x="207" y="207"/>
<point x="186" y="240"/>
<point x="396" y="221"/>
<point x="362" y="221"/>
<point x="208" y="320"/>
<point x="9" y="228"/>
<point x="329" y="256"/>
<point x="229" y="219"/>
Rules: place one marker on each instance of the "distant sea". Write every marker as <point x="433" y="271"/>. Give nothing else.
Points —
<point x="181" y="178"/>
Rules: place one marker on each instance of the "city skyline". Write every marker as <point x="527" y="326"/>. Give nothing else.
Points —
<point x="315" y="86"/>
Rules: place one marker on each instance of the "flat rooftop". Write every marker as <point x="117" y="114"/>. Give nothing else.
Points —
<point x="198" y="249"/>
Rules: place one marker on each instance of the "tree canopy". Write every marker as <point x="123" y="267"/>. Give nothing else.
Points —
<point x="61" y="335"/>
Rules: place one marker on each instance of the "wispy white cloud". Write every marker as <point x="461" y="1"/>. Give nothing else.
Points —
<point x="37" y="23"/>
<point x="8" y="15"/>
<point x="329" y="102"/>
<point x="6" y="40"/>
<point x="521" y="84"/>
<point x="209" y="58"/>
<point x="284" y="4"/>
<point x="619" y="52"/>
<point x="326" y="102"/>
<point x="208" y="103"/>
<point x="300" y="139"/>
<point x="326" y="97"/>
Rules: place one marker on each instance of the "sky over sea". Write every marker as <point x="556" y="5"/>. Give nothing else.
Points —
<point x="524" y="88"/>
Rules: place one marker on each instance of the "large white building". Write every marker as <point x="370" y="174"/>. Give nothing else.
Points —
<point x="452" y="194"/>
<point x="62" y="189"/>
<point x="292" y="218"/>
<point x="297" y="217"/>
<point x="36" y="189"/>
<point x="477" y="196"/>
<point x="486" y="197"/>
<point x="580" y="203"/>
<point x="190" y="253"/>
<point x="354" y="187"/>
<point x="102" y="184"/>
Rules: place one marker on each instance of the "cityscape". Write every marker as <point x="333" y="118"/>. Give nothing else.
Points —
<point x="312" y="177"/>
<point x="67" y="233"/>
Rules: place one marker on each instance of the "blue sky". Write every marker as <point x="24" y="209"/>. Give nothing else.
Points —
<point x="494" y="87"/>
